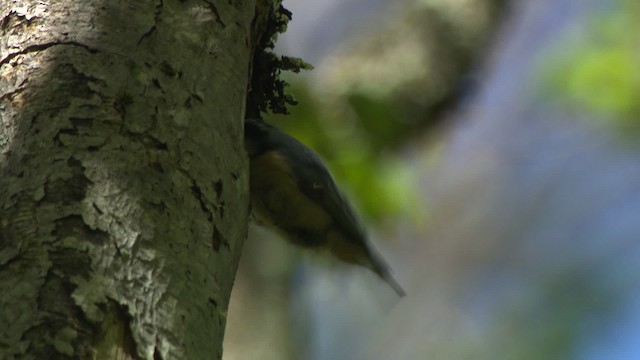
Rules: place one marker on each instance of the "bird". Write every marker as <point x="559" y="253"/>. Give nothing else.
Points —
<point x="293" y="193"/>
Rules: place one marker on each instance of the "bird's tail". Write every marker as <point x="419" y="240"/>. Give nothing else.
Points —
<point x="380" y="267"/>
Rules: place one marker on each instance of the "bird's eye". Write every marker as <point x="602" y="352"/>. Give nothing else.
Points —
<point x="317" y="185"/>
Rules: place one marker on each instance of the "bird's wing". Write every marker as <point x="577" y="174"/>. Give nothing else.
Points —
<point x="324" y="191"/>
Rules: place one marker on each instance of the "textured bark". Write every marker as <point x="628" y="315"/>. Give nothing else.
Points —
<point x="123" y="186"/>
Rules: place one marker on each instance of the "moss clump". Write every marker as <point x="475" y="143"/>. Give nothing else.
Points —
<point x="267" y="90"/>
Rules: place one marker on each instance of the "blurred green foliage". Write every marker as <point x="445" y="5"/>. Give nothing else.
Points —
<point x="599" y="70"/>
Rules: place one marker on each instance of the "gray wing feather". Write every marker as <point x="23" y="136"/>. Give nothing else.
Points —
<point x="324" y="191"/>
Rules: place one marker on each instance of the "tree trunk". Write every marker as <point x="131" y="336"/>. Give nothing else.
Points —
<point x="123" y="186"/>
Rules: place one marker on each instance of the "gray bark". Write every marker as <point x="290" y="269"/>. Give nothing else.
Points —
<point x="123" y="186"/>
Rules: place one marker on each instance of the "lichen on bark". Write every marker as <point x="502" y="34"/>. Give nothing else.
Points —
<point x="267" y="89"/>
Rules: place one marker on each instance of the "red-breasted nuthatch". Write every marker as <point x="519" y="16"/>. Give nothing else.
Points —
<point x="293" y="193"/>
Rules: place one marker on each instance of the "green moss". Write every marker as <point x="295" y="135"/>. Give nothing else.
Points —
<point x="267" y="92"/>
